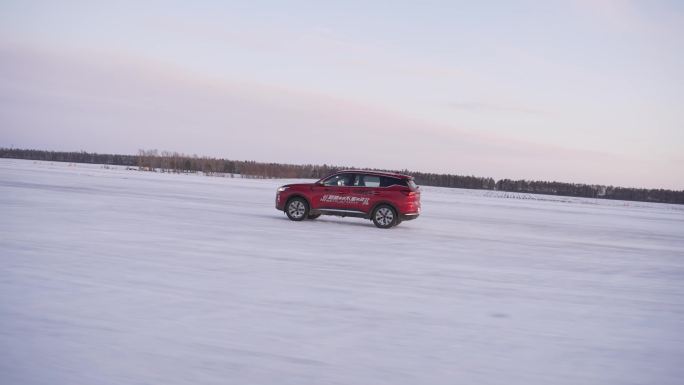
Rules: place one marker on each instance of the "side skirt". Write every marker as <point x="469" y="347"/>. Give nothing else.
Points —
<point x="341" y="213"/>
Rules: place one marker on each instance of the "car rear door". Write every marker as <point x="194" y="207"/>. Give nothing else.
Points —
<point x="364" y="193"/>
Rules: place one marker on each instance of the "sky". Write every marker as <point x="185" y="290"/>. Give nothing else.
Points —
<point x="574" y="91"/>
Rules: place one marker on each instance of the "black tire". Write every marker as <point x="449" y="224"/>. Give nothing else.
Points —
<point x="384" y="216"/>
<point x="297" y="209"/>
<point x="314" y="216"/>
<point x="397" y="222"/>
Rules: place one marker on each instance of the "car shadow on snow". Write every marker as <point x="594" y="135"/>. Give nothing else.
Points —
<point x="330" y="220"/>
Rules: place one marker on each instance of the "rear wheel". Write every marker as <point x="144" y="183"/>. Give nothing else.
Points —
<point x="384" y="216"/>
<point x="297" y="209"/>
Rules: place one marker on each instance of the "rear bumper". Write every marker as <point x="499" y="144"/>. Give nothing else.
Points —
<point x="408" y="217"/>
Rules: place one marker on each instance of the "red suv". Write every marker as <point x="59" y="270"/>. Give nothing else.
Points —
<point x="385" y="198"/>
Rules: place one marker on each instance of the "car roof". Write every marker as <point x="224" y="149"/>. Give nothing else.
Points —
<point x="379" y="173"/>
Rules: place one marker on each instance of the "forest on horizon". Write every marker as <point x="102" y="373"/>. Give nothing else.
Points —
<point x="164" y="161"/>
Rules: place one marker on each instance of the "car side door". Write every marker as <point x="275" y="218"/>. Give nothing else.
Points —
<point x="364" y="193"/>
<point x="333" y="192"/>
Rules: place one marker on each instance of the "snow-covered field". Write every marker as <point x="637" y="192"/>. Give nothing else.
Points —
<point x="109" y="276"/>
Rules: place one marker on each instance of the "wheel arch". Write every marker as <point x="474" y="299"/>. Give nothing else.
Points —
<point x="386" y="203"/>
<point x="296" y="195"/>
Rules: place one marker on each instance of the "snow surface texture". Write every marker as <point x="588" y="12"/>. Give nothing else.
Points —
<point x="112" y="276"/>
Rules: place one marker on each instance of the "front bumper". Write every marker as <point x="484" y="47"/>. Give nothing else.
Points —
<point x="279" y="203"/>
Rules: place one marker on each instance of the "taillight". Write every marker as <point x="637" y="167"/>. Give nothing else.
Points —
<point x="408" y="193"/>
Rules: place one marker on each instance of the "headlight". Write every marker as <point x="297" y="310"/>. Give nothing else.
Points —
<point x="281" y="189"/>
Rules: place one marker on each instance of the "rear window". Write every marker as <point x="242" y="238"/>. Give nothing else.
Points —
<point x="386" y="181"/>
<point x="370" y="181"/>
<point x="412" y="184"/>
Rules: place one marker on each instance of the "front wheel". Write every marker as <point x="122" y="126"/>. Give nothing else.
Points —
<point x="297" y="209"/>
<point x="384" y="217"/>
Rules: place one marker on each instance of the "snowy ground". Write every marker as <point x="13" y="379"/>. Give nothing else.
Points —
<point x="110" y="276"/>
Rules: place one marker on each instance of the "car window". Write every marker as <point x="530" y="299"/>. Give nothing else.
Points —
<point x="371" y="181"/>
<point x="339" y="180"/>
<point x="386" y="181"/>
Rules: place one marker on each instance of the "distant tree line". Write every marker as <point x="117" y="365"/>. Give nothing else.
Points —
<point x="591" y="191"/>
<point x="73" y="157"/>
<point x="164" y="161"/>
